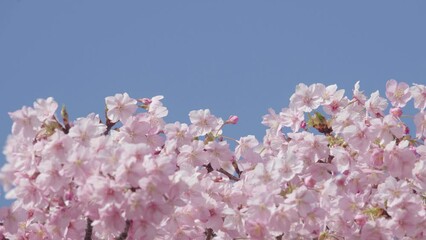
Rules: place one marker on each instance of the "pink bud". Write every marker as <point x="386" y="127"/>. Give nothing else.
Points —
<point x="360" y="219"/>
<point x="340" y="180"/>
<point x="396" y="112"/>
<point x="309" y="182"/>
<point x="303" y="124"/>
<point x="406" y="129"/>
<point x="346" y="172"/>
<point x="145" y="101"/>
<point x="232" y="120"/>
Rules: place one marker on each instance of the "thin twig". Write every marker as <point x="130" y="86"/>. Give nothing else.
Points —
<point x="230" y="176"/>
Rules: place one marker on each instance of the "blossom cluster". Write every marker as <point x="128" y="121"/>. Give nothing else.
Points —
<point x="329" y="167"/>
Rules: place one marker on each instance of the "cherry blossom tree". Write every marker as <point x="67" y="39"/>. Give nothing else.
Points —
<point x="330" y="166"/>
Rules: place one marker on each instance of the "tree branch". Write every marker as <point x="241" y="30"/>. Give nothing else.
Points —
<point x="123" y="235"/>
<point x="89" y="229"/>
<point x="230" y="176"/>
<point x="209" y="234"/>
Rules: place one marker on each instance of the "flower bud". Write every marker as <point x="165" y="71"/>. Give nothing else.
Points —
<point x="309" y="182"/>
<point x="303" y="124"/>
<point x="360" y="219"/>
<point x="406" y="129"/>
<point x="396" y="112"/>
<point x="340" y="180"/>
<point x="232" y="120"/>
<point x="145" y="101"/>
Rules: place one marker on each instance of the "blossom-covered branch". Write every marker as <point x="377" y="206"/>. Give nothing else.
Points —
<point x="330" y="166"/>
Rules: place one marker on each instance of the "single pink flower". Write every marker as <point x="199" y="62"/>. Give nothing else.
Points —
<point x="397" y="93"/>
<point x="120" y="107"/>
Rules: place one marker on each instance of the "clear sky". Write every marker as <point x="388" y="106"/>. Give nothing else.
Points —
<point x="234" y="57"/>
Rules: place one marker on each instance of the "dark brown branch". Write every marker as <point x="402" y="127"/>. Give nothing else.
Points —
<point x="124" y="234"/>
<point x="109" y="125"/>
<point x="230" y="176"/>
<point x="209" y="234"/>
<point x="89" y="229"/>
<point x="209" y="167"/>
<point x="237" y="170"/>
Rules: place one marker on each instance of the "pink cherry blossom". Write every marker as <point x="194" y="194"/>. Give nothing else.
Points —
<point x="420" y="122"/>
<point x="25" y="122"/>
<point x="120" y="107"/>
<point x="202" y="121"/>
<point x="418" y="91"/>
<point x="306" y="98"/>
<point x="352" y="172"/>
<point x="45" y="108"/>
<point x="376" y="105"/>
<point x="292" y="118"/>
<point x="397" y="93"/>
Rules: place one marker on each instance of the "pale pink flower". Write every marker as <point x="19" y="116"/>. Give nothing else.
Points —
<point x="418" y="91"/>
<point x="85" y="129"/>
<point x="386" y="128"/>
<point x="282" y="218"/>
<point x="420" y="122"/>
<point x="342" y="158"/>
<point x="178" y="132"/>
<point x="29" y="193"/>
<point x="245" y="144"/>
<point x="376" y="229"/>
<point x="25" y="122"/>
<point x="12" y="217"/>
<point x="347" y="117"/>
<point x="219" y="154"/>
<point x="397" y="93"/>
<point x="358" y="95"/>
<point x="142" y="229"/>
<point x="108" y="191"/>
<point x="404" y="223"/>
<point x="156" y="107"/>
<point x="120" y="107"/>
<point x="392" y="189"/>
<point x="338" y="102"/>
<point x="306" y="98"/>
<point x="376" y="105"/>
<point x="193" y="154"/>
<point x="110" y="223"/>
<point x="273" y="121"/>
<point x="234" y="220"/>
<point x="79" y="165"/>
<point x="314" y="220"/>
<point x="399" y="159"/>
<point x="49" y="177"/>
<point x="135" y="130"/>
<point x="302" y="200"/>
<point x="58" y="147"/>
<point x="258" y="208"/>
<point x="326" y="92"/>
<point x="419" y="172"/>
<point x="292" y="118"/>
<point x="287" y="166"/>
<point x="45" y="108"/>
<point x="350" y="205"/>
<point x="358" y="136"/>
<point x="202" y="122"/>
<point x="257" y="230"/>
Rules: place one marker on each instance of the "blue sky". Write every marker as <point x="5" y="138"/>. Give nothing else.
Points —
<point x="233" y="57"/>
